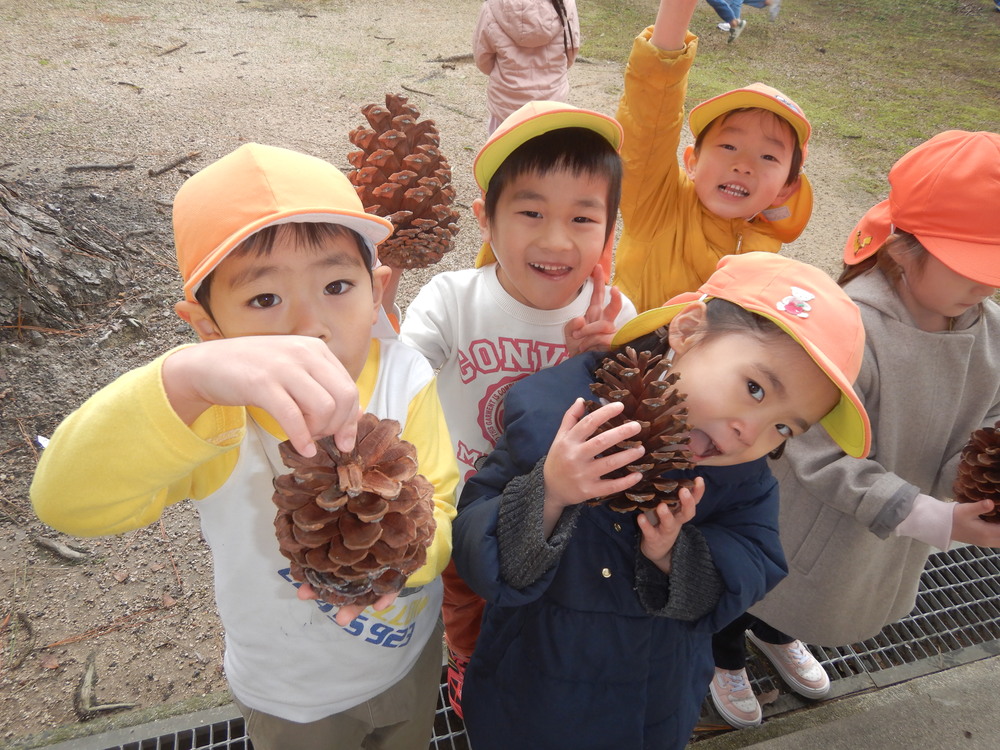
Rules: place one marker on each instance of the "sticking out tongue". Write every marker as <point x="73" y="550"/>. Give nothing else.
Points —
<point x="701" y="446"/>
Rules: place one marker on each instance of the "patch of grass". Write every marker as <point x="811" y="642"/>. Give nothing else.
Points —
<point x="875" y="77"/>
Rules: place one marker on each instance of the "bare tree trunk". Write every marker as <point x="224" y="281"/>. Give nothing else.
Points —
<point x="51" y="277"/>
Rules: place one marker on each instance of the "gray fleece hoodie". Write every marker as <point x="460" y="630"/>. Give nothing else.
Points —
<point x="849" y="575"/>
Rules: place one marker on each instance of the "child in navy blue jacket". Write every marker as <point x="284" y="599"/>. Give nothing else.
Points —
<point x="598" y="626"/>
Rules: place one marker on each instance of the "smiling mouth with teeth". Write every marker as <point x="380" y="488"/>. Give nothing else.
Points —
<point x="550" y="269"/>
<point x="734" y="190"/>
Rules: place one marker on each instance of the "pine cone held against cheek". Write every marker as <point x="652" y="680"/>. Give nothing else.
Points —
<point x="355" y="525"/>
<point x="644" y="383"/>
<point x="979" y="471"/>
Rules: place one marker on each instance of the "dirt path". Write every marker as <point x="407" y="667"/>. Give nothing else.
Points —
<point x="144" y="82"/>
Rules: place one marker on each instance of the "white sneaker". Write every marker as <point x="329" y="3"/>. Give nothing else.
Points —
<point x="773" y="9"/>
<point x="723" y="26"/>
<point x="797" y="666"/>
<point x="734" y="699"/>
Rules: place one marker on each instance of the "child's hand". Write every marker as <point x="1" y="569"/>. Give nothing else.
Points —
<point x="573" y="472"/>
<point x="968" y="527"/>
<point x="595" y="328"/>
<point x="295" y="379"/>
<point x="661" y="526"/>
<point x="347" y="613"/>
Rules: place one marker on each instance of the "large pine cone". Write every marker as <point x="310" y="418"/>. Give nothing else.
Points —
<point x="649" y="391"/>
<point x="355" y="525"/>
<point x="401" y="174"/>
<point x="979" y="471"/>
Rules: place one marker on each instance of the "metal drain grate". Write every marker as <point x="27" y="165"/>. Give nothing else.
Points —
<point x="957" y="610"/>
<point x="230" y="734"/>
<point x="956" y="620"/>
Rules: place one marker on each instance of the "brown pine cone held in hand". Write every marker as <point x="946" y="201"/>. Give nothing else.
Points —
<point x="355" y="525"/>
<point x="649" y="391"/>
<point x="979" y="471"/>
<point x="401" y="174"/>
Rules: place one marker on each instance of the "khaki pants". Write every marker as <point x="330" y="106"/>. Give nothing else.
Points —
<point x="401" y="718"/>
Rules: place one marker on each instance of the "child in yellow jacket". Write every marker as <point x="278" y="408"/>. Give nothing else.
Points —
<point x="740" y="189"/>
<point x="282" y="285"/>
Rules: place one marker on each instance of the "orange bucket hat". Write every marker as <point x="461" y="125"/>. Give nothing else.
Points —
<point x="943" y="192"/>
<point x="255" y="187"/>
<point x="530" y="121"/>
<point x="789" y="219"/>
<point x="806" y="304"/>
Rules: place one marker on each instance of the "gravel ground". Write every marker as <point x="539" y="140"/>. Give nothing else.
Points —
<point x="144" y="82"/>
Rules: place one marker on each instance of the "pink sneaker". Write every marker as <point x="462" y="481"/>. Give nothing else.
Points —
<point x="734" y="699"/>
<point x="797" y="666"/>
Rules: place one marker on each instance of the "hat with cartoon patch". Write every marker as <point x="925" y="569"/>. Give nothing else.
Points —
<point x="806" y="304"/>
<point x="787" y="220"/>
<point x="530" y="121"/>
<point x="942" y="192"/>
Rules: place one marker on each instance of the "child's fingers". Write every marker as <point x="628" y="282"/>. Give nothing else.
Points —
<point x="596" y="306"/>
<point x="614" y="306"/>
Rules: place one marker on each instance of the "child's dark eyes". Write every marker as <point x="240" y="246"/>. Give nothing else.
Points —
<point x="784" y="430"/>
<point x="338" y="287"/>
<point x="265" y="301"/>
<point x="755" y="391"/>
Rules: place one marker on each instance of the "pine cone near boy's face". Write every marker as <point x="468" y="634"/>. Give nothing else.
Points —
<point x="401" y="174"/>
<point x="979" y="471"/>
<point x="644" y="383"/>
<point x="355" y="525"/>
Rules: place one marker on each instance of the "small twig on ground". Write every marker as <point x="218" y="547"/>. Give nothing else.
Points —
<point x="105" y="167"/>
<point x="85" y="699"/>
<point x="15" y="623"/>
<point x="166" y="539"/>
<point x="62" y="549"/>
<point x="174" y="163"/>
<point x="466" y="57"/>
<point x="172" y="49"/>
<point x="126" y="621"/>
<point x="416" y="91"/>
<point x="137" y="89"/>
<point x="28" y="440"/>
<point x="7" y="164"/>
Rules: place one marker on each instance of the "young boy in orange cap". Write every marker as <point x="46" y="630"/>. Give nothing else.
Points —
<point x="550" y="176"/>
<point x="282" y="286"/>
<point x="740" y="189"/>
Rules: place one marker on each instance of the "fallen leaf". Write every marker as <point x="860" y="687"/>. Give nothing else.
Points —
<point x="121" y="576"/>
<point x="168" y="601"/>
<point x="765" y="699"/>
<point x="157" y="566"/>
<point x="49" y="661"/>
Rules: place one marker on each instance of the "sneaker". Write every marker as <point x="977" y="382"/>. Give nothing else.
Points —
<point x="735" y="31"/>
<point x="797" y="666"/>
<point x="723" y="26"/>
<point x="734" y="699"/>
<point x="773" y="9"/>
<point x="456" y="679"/>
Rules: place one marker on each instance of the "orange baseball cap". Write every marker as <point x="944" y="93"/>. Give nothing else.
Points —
<point x="255" y="187"/>
<point x="529" y="121"/>
<point x="758" y="96"/>
<point x="942" y="193"/>
<point x="806" y="304"/>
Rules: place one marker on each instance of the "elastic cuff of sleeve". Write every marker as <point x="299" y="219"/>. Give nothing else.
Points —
<point x="525" y="553"/>
<point x="929" y="521"/>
